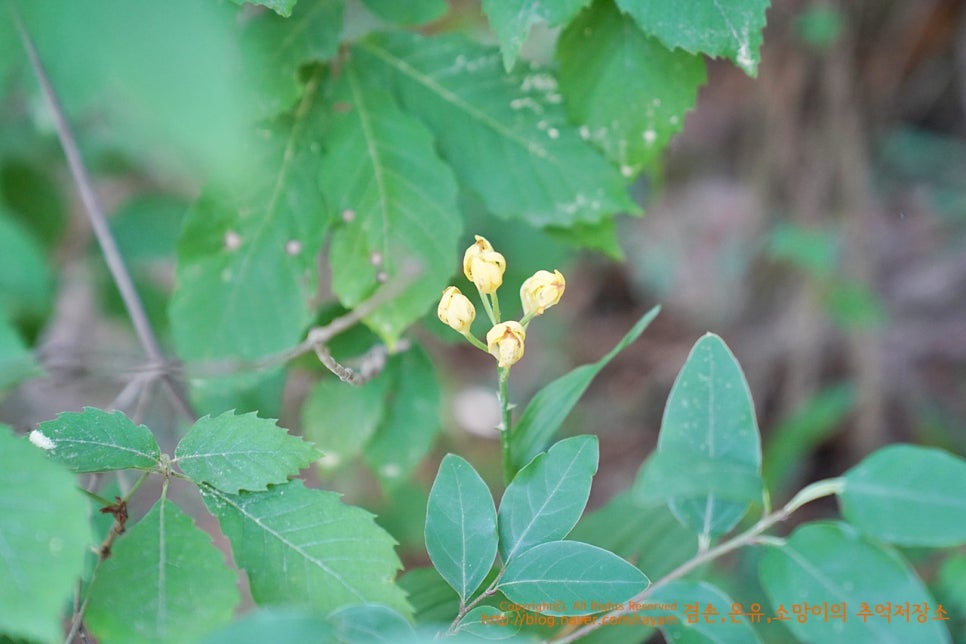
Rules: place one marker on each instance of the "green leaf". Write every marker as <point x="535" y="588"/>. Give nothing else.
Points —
<point x="679" y="593"/>
<point x="341" y="419"/>
<point x="364" y="623"/>
<point x="244" y="452"/>
<point x="488" y="623"/>
<point x="512" y="19"/>
<point x="276" y="47"/>
<point x="506" y="135"/>
<point x="44" y="535"/>
<point x="662" y="481"/>
<point x="570" y="578"/>
<point x="247" y="273"/>
<point x="281" y="7"/>
<point x="397" y="199"/>
<point x="433" y="600"/>
<point x="411" y="12"/>
<point x="834" y="563"/>
<point x="461" y="535"/>
<point x="726" y="28"/>
<point x="304" y="546"/>
<point x="629" y="92"/>
<point x="35" y="198"/>
<point x="26" y="282"/>
<point x="411" y="422"/>
<point x="97" y="441"/>
<point x="289" y="624"/>
<point x="164" y="582"/>
<point x="550" y="406"/>
<point x="545" y="499"/>
<point x="908" y="495"/>
<point x="17" y="362"/>
<point x="710" y="418"/>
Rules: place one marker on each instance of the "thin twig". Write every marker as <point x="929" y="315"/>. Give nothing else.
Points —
<point x="95" y="213"/>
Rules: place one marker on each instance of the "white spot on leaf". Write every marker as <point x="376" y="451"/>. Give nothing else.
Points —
<point x="40" y="440"/>
<point x="293" y="247"/>
<point x="232" y="240"/>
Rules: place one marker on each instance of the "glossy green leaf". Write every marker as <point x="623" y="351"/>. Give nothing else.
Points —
<point x="727" y="28"/>
<point x="570" y="578"/>
<point x="288" y="624"/>
<point x="165" y="581"/>
<point x="550" y="406"/>
<point x="304" y="546"/>
<point x="365" y="623"/>
<point x="17" y="362"/>
<point x="834" y="563"/>
<point x="721" y="629"/>
<point x="461" y="535"/>
<point x="243" y="452"/>
<point x="26" y="282"/>
<point x="908" y="495"/>
<point x="710" y="418"/>
<point x="506" y="135"/>
<point x="511" y="20"/>
<point x="545" y="499"/>
<point x="97" y="441"/>
<point x="411" y="422"/>
<point x="247" y="273"/>
<point x="44" y="535"/>
<point x="396" y="198"/>
<point x="340" y="419"/>
<point x="629" y="91"/>
<point x="411" y="12"/>
<point x="661" y="479"/>
<point x="276" y="47"/>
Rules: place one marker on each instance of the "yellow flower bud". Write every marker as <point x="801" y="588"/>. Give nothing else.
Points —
<point x="484" y="266"/>
<point x="505" y="342"/>
<point x="456" y="310"/>
<point x="541" y="291"/>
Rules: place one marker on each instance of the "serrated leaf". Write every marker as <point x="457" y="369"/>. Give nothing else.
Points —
<point x="246" y="274"/>
<point x="411" y="12"/>
<point x="243" y="452"/>
<point x="341" y="419"/>
<point x="908" y="495"/>
<point x="505" y="135"/>
<point x="512" y="20"/>
<point x="365" y="623"/>
<point x="832" y="562"/>
<point x="411" y="422"/>
<point x="461" y="536"/>
<point x="550" y="406"/>
<point x="304" y="546"/>
<point x="727" y="28"/>
<point x="380" y="165"/>
<point x="545" y="499"/>
<point x="629" y="91"/>
<point x="710" y="417"/>
<point x="44" y="535"/>
<point x="165" y="581"/>
<point x="570" y="578"/>
<point x="97" y="441"/>
<point x="275" y="47"/>
<point x="292" y="625"/>
<point x="733" y="630"/>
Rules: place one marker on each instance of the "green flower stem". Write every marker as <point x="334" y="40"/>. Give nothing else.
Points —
<point x="496" y="307"/>
<point x="505" y="425"/>
<point x="475" y="341"/>
<point x="486" y="306"/>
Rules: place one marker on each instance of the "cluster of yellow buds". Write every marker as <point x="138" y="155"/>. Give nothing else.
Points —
<point x="485" y="267"/>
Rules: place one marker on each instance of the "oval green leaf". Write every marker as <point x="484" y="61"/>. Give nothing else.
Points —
<point x="97" y="441"/>
<point x="833" y="563"/>
<point x="546" y="498"/>
<point x="570" y="578"/>
<point x="461" y="535"/>
<point x="678" y="628"/>
<point x="908" y="495"/>
<point x="710" y="417"/>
